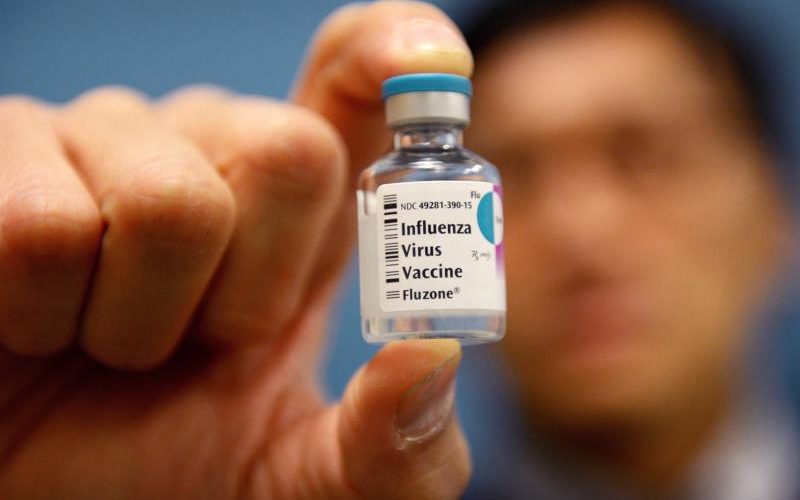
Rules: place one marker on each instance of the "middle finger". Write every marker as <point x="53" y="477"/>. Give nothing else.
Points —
<point x="286" y="168"/>
<point x="169" y="217"/>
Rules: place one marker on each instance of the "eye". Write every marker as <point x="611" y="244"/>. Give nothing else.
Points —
<point x="644" y="152"/>
<point x="515" y="162"/>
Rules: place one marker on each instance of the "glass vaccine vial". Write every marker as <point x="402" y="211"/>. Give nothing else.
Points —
<point x="430" y="222"/>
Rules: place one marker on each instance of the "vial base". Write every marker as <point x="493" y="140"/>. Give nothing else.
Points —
<point x="468" y="327"/>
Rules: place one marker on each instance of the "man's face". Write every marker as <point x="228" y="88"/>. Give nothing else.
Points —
<point x="641" y="218"/>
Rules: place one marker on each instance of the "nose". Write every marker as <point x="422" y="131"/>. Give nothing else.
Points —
<point x="583" y="211"/>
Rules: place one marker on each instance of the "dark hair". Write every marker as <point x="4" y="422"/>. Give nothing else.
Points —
<point x="502" y="18"/>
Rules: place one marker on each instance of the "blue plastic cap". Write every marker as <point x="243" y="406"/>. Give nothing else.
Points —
<point x="426" y="82"/>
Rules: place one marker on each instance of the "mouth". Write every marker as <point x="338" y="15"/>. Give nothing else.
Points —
<point x="603" y="324"/>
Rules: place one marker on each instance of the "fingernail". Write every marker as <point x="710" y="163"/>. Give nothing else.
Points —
<point x="427" y="35"/>
<point x="427" y="406"/>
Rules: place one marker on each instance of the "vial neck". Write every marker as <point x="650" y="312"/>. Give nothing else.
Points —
<point x="428" y="136"/>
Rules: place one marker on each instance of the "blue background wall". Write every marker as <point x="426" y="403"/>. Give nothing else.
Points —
<point x="56" y="49"/>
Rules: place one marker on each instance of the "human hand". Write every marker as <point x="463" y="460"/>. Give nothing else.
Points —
<point x="167" y="273"/>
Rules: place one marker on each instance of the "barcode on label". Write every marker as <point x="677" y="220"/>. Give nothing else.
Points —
<point x="391" y="249"/>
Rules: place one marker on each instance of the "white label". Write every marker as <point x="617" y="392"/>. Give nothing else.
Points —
<point x="439" y="246"/>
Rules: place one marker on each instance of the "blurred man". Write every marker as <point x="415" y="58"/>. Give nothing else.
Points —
<point x="161" y="332"/>
<point x="644" y="225"/>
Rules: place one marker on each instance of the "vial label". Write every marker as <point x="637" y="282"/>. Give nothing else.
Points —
<point x="440" y="246"/>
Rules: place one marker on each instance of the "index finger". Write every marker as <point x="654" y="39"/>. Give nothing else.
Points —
<point x="357" y="48"/>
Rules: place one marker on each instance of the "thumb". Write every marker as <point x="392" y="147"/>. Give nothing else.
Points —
<point x="398" y="433"/>
<point x="393" y="436"/>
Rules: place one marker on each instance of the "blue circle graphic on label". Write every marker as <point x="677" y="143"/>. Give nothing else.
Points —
<point x="490" y="217"/>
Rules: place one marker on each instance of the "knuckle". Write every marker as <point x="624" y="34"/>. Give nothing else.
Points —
<point x="196" y="92"/>
<point x="164" y="200"/>
<point x="111" y="96"/>
<point x="226" y="320"/>
<point x="19" y="106"/>
<point x="295" y="150"/>
<point x="51" y="225"/>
